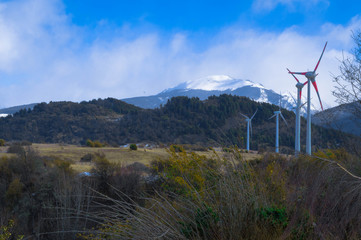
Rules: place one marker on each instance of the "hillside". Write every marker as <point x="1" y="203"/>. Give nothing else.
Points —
<point x="12" y="110"/>
<point x="213" y="122"/>
<point x="345" y="117"/>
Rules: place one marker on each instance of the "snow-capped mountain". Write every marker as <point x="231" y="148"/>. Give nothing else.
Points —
<point x="203" y="88"/>
<point x="215" y="85"/>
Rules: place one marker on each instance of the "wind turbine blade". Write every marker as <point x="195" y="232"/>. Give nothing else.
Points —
<point x="292" y="75"/>
<point x="299" y="73"/>
<point x="320" y="100"/>
<point x="272" y="116"/>
<point x="254" y="114"/>
<point x="284" y="119"/>
<point x="244" y="115"/>
<point x="320" y="57"/>
<point x="294" y="99"/>
<point x="315" y="86"/>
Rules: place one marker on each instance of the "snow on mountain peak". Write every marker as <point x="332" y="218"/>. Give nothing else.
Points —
<point x="216" y="82"/>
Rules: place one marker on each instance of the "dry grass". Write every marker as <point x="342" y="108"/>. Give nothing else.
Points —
<point x="122" y="156"/>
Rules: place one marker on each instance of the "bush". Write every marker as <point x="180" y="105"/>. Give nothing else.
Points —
<point x="98" y="144"/>
<point x="133" y="147"/>
<point x="176" y="148"/>
<point x="7" y="232"/>
<point x="89" y="143"/>
<point x="2" y="142"/>
<point x="87" y="157"/>
<point x="17" y="149"/>
<point x="14" y="191"/>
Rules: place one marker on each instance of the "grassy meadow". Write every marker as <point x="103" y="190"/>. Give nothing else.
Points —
<point x="118" y="155"/>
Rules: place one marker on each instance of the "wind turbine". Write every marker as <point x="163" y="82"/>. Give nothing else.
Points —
<point x="277" y="114"/>
<point x="311" y="76"/>
<point x="299" y="87"/>
<point x="249" y="126"/>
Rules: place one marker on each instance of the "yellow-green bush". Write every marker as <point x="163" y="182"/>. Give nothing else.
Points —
<point x="14" y="191"/>
<point x="185" y="173"/>
<point x="7" y="232"/>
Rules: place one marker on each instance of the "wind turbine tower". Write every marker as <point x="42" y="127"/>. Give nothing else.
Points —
<point x="299" y="87"/>
<point x="249" y="126"/>
<point x="277" y="114"/>
<point x="311" y="77"/>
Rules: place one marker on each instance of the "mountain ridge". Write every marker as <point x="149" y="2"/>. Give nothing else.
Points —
<point x="215" y="85"/>
<point x="345" y="118"/>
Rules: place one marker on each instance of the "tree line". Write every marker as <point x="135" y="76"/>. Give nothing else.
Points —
<point x="213" y="122"/>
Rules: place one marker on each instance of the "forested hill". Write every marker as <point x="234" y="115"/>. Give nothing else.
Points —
<point x="213" y="122"/>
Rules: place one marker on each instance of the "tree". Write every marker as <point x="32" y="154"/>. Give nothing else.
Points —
<point x="348" y="88"/>
<point x="133" y="146"/>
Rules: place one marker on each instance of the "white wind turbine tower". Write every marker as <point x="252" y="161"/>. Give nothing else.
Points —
<point x="249" y="126"/>
<point x="277" y="114"/>
<point x="299" y="87"/>
<point x="311" y="76"/>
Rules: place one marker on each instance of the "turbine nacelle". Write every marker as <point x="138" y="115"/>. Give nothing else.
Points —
<point x="300" y="85"/>
<point x="311" y="75"/>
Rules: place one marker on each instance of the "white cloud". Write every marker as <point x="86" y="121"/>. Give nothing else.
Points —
<point x="269" y="5"/>
<point x="44" y="57"/>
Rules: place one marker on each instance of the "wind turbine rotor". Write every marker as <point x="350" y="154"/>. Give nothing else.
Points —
<point x="254" y="114"/>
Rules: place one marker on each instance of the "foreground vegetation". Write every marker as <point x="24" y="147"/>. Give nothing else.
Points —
<point x="183" y="196"/>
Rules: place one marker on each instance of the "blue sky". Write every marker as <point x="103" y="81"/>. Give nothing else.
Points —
<point x="74" y="50"/>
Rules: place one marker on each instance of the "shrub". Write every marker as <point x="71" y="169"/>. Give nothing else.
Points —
<point x="7" y="232"/>
<point x="98" y="144"/>
<point x="89" y="143"/>
<point x="87" y="157"/>
<point x="14" y="191"/>
<point x="176" y="148"/>
<point x="276" y="216"/>
<point x="2" y="142"/>
<point x="133" y="147"/>
<point x="17" y="149"/>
